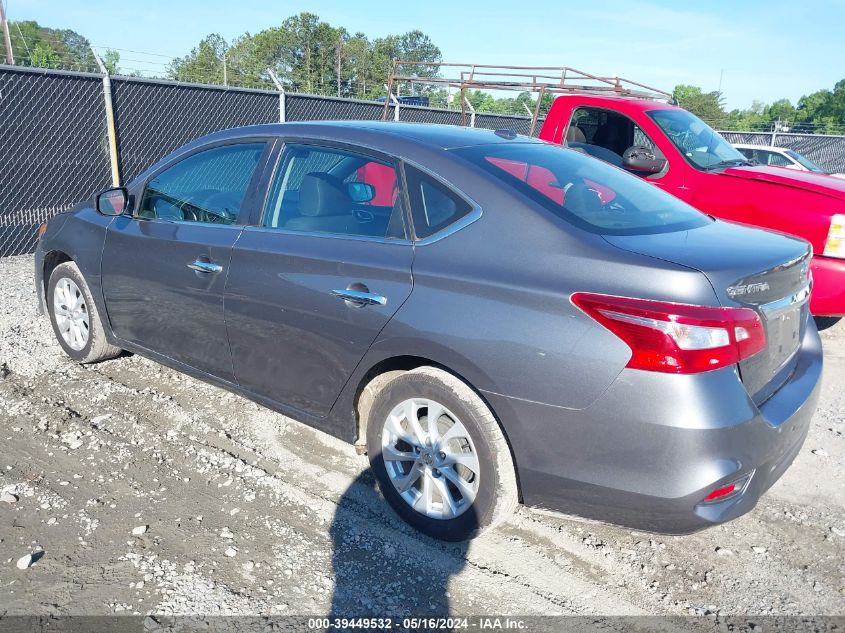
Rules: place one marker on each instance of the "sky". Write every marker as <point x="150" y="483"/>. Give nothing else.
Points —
<point x="752" y="49"/>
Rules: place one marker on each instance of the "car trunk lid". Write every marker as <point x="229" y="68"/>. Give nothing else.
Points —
<point x="747" y="267"/>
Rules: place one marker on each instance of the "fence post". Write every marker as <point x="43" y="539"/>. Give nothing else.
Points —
<point x="282" y="99"/>
<point x="471" y="112"/>
<point x="110" y="126"/>
<point x="395" y="107"/>
<point x="390" y="98"/>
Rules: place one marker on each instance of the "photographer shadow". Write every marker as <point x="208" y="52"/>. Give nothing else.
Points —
<point x="384" y="568"/>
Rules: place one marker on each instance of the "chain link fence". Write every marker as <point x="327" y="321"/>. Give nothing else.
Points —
<point x="153" y="118"/>
<point x="54" y="148"/>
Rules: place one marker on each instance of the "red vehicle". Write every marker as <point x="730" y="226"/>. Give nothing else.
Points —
<point x="678" y="152"/>
<point x="637" y="128"/>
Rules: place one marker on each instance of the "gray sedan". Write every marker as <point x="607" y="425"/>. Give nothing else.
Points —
<point x="493" y="319"/>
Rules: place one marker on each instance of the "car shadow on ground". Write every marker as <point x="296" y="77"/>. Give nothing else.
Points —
<point x="383" y="568"/>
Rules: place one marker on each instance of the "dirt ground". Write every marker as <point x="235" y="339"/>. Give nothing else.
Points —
<point x="140" y="490"/>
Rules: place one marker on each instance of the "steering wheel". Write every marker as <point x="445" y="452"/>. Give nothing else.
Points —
<point x="211" y="206"/>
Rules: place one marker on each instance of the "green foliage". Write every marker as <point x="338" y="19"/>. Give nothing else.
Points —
<point x="111" y="59"/>
<point x="204" y="64"/>
<point x="308" y="55"/>
<point x="822" y="111"/>
<point x="36" y="45"/>
<point x="706" y="105"/>
<point x="43" y="56"/>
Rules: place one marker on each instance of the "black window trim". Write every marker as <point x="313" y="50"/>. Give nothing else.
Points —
<point x="465" y="220"/>
<point x="252" y="188"/>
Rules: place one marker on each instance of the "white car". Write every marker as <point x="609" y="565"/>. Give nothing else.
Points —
<point x="781" y="157"/>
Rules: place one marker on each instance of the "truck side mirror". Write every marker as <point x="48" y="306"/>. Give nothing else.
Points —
<point x="642" y="160"/>
<point x="112" y="201"/>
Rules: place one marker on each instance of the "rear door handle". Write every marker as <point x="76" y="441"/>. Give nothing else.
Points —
<point x="205" y="267"/>
<point x="360" y="297"/>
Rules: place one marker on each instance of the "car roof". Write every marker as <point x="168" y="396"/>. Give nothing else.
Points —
<point x="377" y="133"/>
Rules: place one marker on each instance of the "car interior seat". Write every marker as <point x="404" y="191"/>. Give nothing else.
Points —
<point x="324" y="205"/>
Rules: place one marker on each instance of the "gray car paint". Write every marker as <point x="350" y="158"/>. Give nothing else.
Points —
<point x="490" y="302"/>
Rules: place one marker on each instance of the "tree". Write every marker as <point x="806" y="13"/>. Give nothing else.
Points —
<point x="111" y="59"/>
<point x="36" y="45"/>
<point x="358" y="67"/>
<point x="43" y="56"/>
<point x="706" y="105"/>
<point x="204" y="64"/>
<point x="413" y="46"/>
<point x="308" y="55"/>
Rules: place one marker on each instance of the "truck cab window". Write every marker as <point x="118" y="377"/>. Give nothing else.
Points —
<point x="606" y="135"/>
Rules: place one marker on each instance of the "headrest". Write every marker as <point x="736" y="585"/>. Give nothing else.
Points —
<point x="575" y="135"/>
<point x="322" y="194"/>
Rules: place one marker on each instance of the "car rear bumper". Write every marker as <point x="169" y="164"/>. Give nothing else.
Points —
<point x="654" y="445"/>
<point x="828" y="298"/>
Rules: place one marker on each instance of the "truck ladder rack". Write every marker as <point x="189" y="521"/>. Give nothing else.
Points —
<point x="539" y="79"/>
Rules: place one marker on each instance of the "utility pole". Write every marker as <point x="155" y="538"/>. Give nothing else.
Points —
<point x="7" y="40"/>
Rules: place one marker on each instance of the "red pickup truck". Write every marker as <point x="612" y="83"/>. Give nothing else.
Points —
<point x="678" y="152"/>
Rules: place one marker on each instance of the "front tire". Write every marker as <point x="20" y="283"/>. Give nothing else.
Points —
<point x="74" y="316"/>
<point x="439" y="455"/>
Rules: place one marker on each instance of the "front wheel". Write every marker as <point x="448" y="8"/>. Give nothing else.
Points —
<point x="74" y="316"/>
<point x="439" y="455"/>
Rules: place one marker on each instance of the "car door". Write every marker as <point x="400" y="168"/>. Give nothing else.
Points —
<point x="314" y="282"/>
<point x="164" y="266"/>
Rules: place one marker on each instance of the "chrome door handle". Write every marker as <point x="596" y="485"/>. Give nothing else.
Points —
<point x="205" y="267"/>
<point x="360" y="297"/>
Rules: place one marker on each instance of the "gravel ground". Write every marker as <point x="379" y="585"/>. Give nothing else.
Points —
<point x="136" y="489"/>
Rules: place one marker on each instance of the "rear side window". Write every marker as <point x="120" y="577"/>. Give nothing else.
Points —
<point x="209" y="186"/>
<point x="587" y="193"/>
<point x="433" y="205"/>
<point x="327" y="190"/>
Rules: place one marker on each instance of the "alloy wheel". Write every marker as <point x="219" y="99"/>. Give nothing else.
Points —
<point x="71" y="313"/>
<point x="430" y="458"/>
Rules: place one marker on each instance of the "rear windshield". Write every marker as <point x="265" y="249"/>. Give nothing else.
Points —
<point x="584" y="191"/>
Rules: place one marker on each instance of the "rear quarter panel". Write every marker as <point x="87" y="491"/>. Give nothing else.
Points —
<point x="491" y="301"/>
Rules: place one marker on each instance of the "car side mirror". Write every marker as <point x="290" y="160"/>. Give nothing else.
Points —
<point x="113" y="201"/>
<point x="360" y="191"/>
<point x="642" y="159"/>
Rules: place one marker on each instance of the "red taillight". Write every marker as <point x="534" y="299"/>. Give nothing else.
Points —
<point x="674" y="337"/>
<point x="724" y="491"/>
<point x="733" y="489"/>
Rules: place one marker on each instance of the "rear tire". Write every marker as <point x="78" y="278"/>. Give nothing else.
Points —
<point x="453" y="479"/>
<point x="823" y="323"/>
<point x="74" y="316"/>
